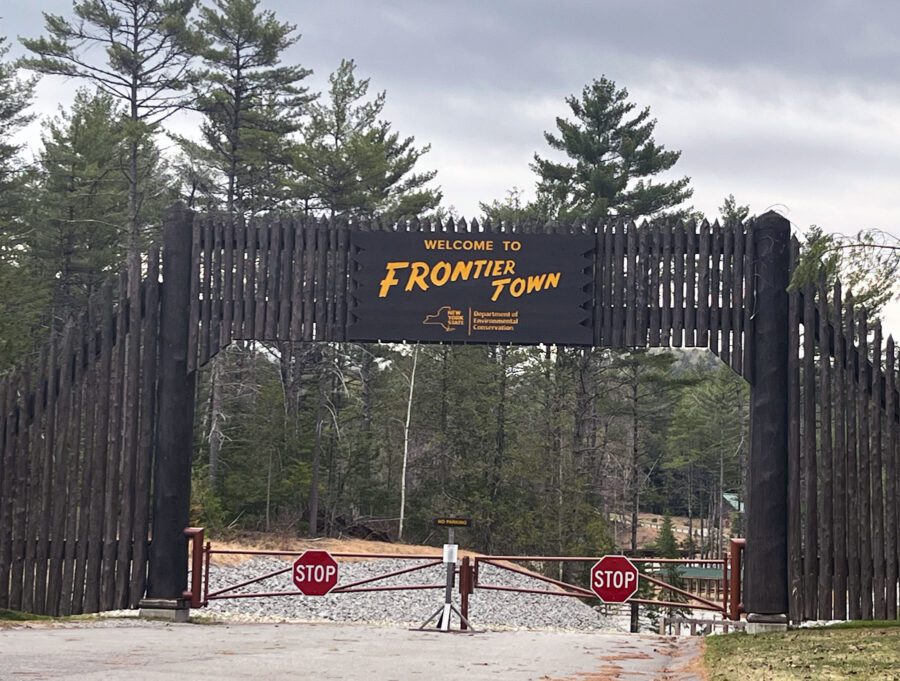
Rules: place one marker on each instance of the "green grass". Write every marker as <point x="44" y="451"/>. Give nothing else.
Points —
<point x="16" y="616"/>
<point x="861" y="624"/>
<point x="856" y="650"/>
<point x="12" y="616"/>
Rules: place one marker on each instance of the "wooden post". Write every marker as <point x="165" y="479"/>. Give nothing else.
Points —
<point x="766" y="575"/>
<point x="167" y="574"/>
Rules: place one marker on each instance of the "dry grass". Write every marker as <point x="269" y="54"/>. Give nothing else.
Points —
<point x="855" y="652"/>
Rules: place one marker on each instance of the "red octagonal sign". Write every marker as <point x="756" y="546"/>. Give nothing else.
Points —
<point x="315" y="573"/>
<point x="614" y="579"/>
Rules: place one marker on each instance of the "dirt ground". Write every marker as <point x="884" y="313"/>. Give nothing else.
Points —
<point x="648" y="531"/>
<point x="649" y="525"/>
<point x="270" y="542"/>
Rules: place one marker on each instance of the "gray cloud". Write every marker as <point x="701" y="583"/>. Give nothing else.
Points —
<point x="525" y="44"/>
<point x="774" y="101"/>
<point x="794" y="104"/>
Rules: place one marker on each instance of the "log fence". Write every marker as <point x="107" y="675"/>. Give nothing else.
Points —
<point x="86" y="460"/>
<point x="843" y="454"/>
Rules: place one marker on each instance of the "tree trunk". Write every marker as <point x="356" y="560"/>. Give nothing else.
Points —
<point x="557" y="412"/>
<point x="499" y="451"/>
<point x="409" y="401"/>
<point x="720" y="548"/>
<point x="690" y="510"/>
<point x="216" y="436"/>
<point x="317" y="454"/>
<point x="365" y="376"/>
<point x="269" y="491"/>
<point x="702" y="541"/>
<point x="445" y="408"/>
<point x="635" y="482"/>
<point x="335" y="477"/>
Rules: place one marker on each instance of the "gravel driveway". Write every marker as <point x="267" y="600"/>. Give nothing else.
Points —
<point x="487" y="609"/>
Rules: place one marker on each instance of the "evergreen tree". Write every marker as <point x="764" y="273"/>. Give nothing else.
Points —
<point x="708" y="441"/>
<point x="732" y="212"/>
<point x="649" y="389"/>
<point x="351" y="163"/>
<point x="78" y="234"/>
<point x="612" y="158"/>
<point x="15" y="98"/>
<point x="666" y="543"/>
<point x="194" y="175"/>
<point x="251" y="102"/>
<point x="20" y="303"/>
<point x="867" y="263"/>
<point x="82" y="201"/>
<point x="667" y="547"/>
<point x="148" y="46"/>
<point x="513" y="209"/>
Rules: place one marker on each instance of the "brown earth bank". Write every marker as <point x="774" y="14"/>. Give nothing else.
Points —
<point x="273" y="542"/>
<point x="649" y="525"/>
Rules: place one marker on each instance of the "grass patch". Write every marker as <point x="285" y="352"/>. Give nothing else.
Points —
<point x="16" y="616"/>
<point x="863" y="624"/>
<point x="869" y="650"/>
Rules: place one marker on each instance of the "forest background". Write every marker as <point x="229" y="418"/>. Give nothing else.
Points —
<point x="550" y="450"/>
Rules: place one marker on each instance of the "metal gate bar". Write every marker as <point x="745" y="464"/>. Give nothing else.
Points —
<point x="469" y="577"/>
<point x="354" y="587"/>
<point x="696" y="602"/>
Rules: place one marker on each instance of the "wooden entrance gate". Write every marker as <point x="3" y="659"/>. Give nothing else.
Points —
<point x="95" y="437"/>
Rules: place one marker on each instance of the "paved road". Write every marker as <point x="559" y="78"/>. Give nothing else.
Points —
<point x="154" y="650"/>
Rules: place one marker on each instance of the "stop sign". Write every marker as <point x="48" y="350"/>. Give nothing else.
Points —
<point x="614" y="579"/>
<point x="315" y="573"/>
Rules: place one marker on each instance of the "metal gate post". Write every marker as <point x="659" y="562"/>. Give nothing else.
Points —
<point x="167" y="571"/>
<point x="734" y="603"/>
<point x="465" y="588"/>
<point x="766" y="562"/>
<point x="195" y="594"/>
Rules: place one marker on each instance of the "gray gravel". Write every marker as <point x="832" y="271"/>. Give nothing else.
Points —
<point x="488" y="609"/>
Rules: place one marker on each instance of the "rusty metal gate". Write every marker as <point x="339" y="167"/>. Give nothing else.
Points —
<point x="721" y="595"/>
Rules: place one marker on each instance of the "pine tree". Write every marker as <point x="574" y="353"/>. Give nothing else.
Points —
<point x="867" y="264"/>
<point x="148" y="47"/>
<point x="78" y="234"/>
<point x="251" y="102"/>
<point x="666" y="544"/>
<point x="15" y="98"/>
<point x="514" y="209"/>
<point x="707" y="441"/>
<point x="612" y="160"/>
<point x="732" y="212"/>
<point x="251" y="105"/>
<point x="20" y="303"/>
<point x="648" y="390"/>
<point x="351" y="163"/>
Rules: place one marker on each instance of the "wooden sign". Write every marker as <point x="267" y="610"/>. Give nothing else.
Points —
<point x="453" y="522"/>
<point x="472" y="287"/>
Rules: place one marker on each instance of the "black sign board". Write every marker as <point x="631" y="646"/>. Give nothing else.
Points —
<point x="472" y="288"/>
<point x="453" y="522"/>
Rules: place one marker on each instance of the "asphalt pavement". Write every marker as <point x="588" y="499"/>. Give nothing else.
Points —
<point x="137" y="650"/>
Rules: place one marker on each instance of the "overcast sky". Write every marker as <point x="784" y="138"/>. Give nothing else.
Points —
<point x="793" y="105"/>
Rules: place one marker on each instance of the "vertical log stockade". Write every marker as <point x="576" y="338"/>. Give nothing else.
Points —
<point x="96" y="428"/>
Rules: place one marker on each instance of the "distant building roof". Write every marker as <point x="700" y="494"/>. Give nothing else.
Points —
<point x="692" y="572"/>
<point x="733" y="501"/>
